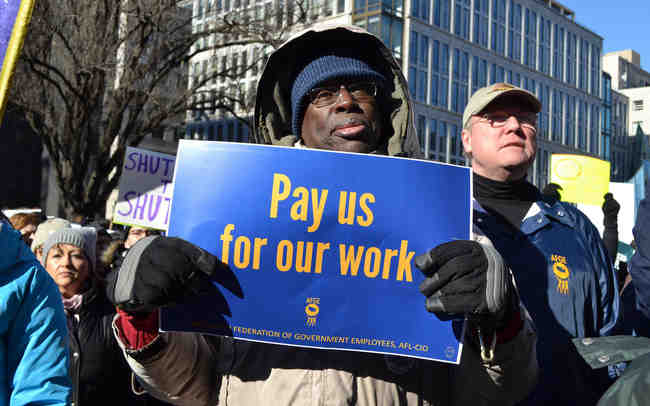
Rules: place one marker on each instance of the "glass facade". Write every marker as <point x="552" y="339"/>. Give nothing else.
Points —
<point x="448" y="49"/>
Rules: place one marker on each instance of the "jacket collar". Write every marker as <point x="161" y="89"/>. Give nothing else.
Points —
<point x="541" y="213"/>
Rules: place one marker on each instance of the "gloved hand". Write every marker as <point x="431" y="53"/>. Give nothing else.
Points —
<point x="465" y="278"/>
<point x="160" y="271"/>
<point x="610" y="211"/>
<point x="553" y="190"/>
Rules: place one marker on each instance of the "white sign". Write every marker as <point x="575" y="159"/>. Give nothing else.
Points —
<point x="146" y="189"/>
<point x="624" y="195"/>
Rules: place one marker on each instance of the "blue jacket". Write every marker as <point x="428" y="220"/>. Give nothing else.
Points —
<point x="566" y="282"/>
<point x="33" y="332"/>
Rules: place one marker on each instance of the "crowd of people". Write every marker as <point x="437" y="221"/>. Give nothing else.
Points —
<point x="535" y="276"/>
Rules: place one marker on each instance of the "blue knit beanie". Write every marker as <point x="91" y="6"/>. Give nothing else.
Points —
<point x="320" y="70"/>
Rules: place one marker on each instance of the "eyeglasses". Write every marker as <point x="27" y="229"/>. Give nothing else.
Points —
<point x="497" y="120"/>
<point x="328" y="95"/>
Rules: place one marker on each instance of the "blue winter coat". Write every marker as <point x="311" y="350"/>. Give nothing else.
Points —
<point x="33" y="332"/>
<point x="566" y="281"/>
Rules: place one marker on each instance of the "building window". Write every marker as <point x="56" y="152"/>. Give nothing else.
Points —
<point x="479" y="73"/>
<point x="558" y="52"/>
<point x="481" y="15"/>
<point x="442" y="13"/>
<point x="421" y="130"/>
<point x="529" y="84"/>
<point x="340" y="6"/>
<point x="638" y="105"/>
<point x="584" y="65"/>
<point x="386" y="27"/>
<point x="422" y="86"/>
<point x="444" y="77"/>
<point x="593" y="129"/>
<point x="570" y="120"/>
<point x="460" y="80"/>
<point x="455" y="83"/>
<point x="461" y="18"/>
<point x="556" y="130"/>
<point x="582" y="125"/>
<point x="199" y="9"/>
<point x="423" y="52"/>
<point x="544" y="45"/>
<point x="595" y="70"/>
<point x="420" y="9"/>
<point x="514" y="31"/>
<point x="544" y="94"/>
<point x="499" y="26"/>
<point x="454" y="137"/>
<point x="571" y="58"/>
<point x="442" y="141"/>
<point x="413" y="48"/>
<point x="419" y="66"/>
<point x="530" y="46"/>
<point x="435" y="71"/>
<point x="433" y="130"/>
<point x="497" y="74"/>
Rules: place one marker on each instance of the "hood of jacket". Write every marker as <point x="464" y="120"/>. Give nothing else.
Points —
<point x="272" y="119"/>
<point x="12" y="247"/>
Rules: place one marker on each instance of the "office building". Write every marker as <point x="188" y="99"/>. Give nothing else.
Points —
<point x="448" y="49"/>
<point x="625" y="69"/>
<point x="631" y="104"/>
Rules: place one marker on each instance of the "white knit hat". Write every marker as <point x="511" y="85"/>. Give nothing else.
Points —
<point x="47" y="228"/>
<point x="82" y="237"/>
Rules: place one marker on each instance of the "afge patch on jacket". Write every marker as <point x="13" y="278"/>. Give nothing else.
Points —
<point x="561" y="272"/>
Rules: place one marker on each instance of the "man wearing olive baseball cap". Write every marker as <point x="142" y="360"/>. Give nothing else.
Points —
<point x="556" y="255"/>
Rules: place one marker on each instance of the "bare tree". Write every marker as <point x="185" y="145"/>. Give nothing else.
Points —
<point x="97" y="76"/>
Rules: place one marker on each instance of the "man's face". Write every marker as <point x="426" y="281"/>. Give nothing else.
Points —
<point x="501" y="151"/>
<point x="346" y="125"/>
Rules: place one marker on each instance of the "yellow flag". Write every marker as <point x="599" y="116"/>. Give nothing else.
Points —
<point x="583" y="179"/>
<point x="14" y="18"/>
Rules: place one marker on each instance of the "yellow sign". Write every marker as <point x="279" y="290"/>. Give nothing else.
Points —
<point x="583" y="179"/>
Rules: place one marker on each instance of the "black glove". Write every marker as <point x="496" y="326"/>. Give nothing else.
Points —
<point x="465" y="278"/>
<point x="610" y="211"/>
<point x="159" y="271"/>
<point x="553" y="190"/>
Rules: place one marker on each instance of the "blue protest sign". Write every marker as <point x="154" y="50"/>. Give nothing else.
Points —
<point x="320" y="245"/>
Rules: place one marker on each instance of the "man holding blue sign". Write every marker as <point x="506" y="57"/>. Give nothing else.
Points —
<point x="348" y="95"/>
<point x="556" y="254"/>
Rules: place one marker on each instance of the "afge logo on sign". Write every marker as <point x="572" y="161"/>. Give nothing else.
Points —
<point x="311" y="310"/>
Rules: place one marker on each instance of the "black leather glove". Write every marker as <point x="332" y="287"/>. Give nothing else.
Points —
<point x="465" y="278"/>
<point x="160" y="271"/>
<point x="553" y="190"/>
<point x="610" y="211"/>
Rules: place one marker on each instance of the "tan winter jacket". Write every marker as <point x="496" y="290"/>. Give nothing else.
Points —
<point x="193" y="369"/>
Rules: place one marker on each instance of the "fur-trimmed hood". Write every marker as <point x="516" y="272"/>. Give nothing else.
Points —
<point x="272" y="120"/>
